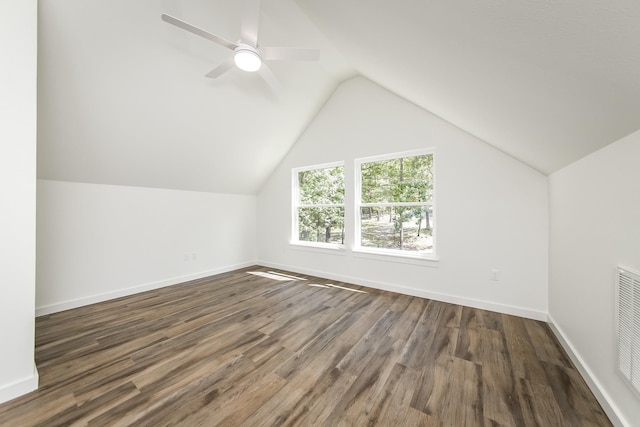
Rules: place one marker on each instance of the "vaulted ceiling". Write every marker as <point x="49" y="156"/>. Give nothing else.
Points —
<point x="123" y="98"/>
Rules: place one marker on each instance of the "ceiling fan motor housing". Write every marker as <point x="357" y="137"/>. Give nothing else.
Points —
<point x="247" y="58"/>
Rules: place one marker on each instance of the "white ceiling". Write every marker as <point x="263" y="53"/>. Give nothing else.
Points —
<point x="123" y="98"/>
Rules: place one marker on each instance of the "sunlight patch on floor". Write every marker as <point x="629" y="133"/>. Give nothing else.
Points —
<point x="275" y="276"/>
<point x="282" y="277"/>
<point x="287" y="275"/>
<point x="330" y="285"/>
<point x="270" y="275"/>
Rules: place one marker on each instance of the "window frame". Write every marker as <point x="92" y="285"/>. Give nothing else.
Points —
<point x="358" y="205"/>
<point x="295" y="205"/>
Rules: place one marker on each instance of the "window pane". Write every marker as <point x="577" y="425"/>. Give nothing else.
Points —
<point x="321" y="186"/>
<point x="408" y="179"/>
<point x="321" y="225"/>
<point x="406" y="228"/>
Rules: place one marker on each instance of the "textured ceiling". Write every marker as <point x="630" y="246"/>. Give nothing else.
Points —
<point x="123" y="98"/>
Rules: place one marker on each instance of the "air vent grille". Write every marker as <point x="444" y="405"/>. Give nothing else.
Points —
<point x="628" y="325"/>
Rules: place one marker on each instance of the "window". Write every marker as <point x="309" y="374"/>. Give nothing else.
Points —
<point x="318" y="205"/>
<point x="394" y="204"/>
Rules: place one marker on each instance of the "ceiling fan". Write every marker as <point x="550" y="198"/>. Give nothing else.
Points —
<point x="248" y="55"/>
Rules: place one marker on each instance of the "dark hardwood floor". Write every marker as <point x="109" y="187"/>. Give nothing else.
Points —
<point x="269" y="350"/>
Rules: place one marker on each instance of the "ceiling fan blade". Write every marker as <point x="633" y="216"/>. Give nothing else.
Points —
<point x="290" y="53"/>
<point x="271" y="79"/>
<point x="250" y="22"/>
<point x="195" y="30"/>
<point x="220" y="69"/>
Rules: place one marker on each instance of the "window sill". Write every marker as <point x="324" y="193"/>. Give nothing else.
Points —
<point x="426" y="260"/>
<point x="325" y="248"/>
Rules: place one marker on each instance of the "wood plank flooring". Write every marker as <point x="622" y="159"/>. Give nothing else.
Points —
<point x="254" y="348"/>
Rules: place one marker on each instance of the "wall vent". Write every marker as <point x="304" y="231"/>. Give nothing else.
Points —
<point x="628" y="325"/>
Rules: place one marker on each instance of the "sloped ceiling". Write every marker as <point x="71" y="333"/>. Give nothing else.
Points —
<point x="123" y="98"/>
<point x="545" y="81"/>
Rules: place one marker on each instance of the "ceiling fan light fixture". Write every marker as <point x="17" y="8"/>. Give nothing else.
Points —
<point x="247" y="59"/>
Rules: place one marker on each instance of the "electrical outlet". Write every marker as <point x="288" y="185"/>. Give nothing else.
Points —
<point x="494" y="275"/>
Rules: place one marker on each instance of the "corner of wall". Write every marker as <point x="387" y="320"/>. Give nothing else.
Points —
<point x="20" y="387"/>
<point x="605" y="400"/>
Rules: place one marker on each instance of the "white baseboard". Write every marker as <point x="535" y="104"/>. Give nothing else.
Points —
<point x="453" y="299"/>
<point x="601" y="395"/>
<point x="20" y="387"/>
<point x="92" y="299"/>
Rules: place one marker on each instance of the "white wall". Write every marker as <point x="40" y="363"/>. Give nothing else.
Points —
<point x="594" y="227"/>
<point x="491" y="209"/>
<point x="18" y="56"/>
<point x="97" y="242"/>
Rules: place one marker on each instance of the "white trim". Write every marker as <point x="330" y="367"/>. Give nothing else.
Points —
<point x="320" y="166"/>
<point x="326" y="248"/>
<point x="452" y="299"/>
<point x="92" y="299"/>
<point x="605" y="400"/>
<point x="391" y="156"/>
<point x="390" y="255"/>
<point x="20" y="387"/>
